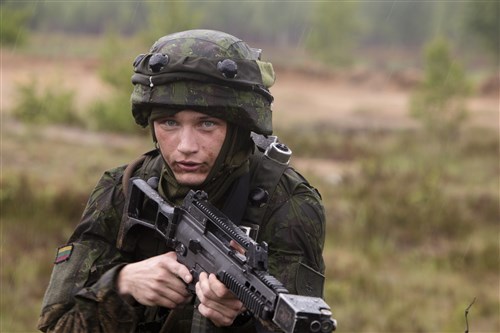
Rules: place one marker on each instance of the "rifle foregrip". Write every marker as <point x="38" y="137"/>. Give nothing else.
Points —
<point x="260" y="307"/>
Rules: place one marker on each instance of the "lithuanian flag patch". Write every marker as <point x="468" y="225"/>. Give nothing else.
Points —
<point x="63" y="253"/>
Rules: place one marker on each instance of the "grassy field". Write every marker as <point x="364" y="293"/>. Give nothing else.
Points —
<point x="413" y="234"/>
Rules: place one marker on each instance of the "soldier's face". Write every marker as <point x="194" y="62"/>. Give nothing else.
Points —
<point x="190" y="143"/>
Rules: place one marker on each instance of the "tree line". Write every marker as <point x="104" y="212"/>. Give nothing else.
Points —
<point x="332" y="30"/>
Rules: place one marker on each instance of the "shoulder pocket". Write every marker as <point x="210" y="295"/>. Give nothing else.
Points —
<point x="309" y="282"/>
<point x="70" y="275"/>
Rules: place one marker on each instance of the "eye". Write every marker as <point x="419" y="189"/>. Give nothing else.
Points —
<point x="169" y="123"/>
<point x="208" y="124"/>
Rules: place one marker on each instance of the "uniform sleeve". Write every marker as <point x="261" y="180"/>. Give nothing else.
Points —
<point x="294" y="229"/>
<point x="81" y="295"/>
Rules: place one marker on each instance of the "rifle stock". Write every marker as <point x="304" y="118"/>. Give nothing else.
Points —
<point x="201" y="235"/>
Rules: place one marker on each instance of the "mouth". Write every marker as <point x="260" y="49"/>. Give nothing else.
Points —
<point x="188" y="166"/>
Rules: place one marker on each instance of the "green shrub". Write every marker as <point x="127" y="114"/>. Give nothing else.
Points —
<point x="440" y="101"/>
<point x="45" y="209"/>
<point x="330" y="142"/>
<point x="406" y="192"/>
<point x="13" y="28"/>
<point x="116" y="62"/>
<point x="35" y="220"/>
<point x="113" y="114"/>
<point x="334" y="31"/>
<point x="50" y="106"/>
<point x="407" y="207"/>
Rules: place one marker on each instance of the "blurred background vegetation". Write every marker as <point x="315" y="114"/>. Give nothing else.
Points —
<point x="412" y="206"/>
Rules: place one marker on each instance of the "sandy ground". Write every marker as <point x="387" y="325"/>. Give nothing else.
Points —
<point x="67" y="74"/>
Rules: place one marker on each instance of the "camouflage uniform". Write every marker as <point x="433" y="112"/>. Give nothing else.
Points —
<point x="82" y="294"/>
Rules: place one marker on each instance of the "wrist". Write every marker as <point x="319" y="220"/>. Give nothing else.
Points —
<point x="123" y="286"/>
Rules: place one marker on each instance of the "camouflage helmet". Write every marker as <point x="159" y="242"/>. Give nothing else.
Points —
<point x="207" y="71"/>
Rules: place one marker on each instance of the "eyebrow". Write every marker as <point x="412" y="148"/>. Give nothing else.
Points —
<point x="207" y="117"/>
<point x="202" y="117"/>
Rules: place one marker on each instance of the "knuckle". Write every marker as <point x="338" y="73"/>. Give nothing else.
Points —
<point x="179" y="299"/>
<point x="151" y="298"/>
<point x="169" y="304"/>
<point x="226" y="321"/>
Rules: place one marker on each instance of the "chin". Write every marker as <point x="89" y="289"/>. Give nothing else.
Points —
<point x="192" y="182"/>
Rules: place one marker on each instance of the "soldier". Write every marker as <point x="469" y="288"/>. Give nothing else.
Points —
<point x="205" y="95"/>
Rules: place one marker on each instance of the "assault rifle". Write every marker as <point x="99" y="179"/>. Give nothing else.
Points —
<point x="201" y="236"/>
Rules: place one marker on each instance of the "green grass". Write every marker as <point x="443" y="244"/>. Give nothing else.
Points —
<point x="34" y="222"/>
<point x="413" y="235"/>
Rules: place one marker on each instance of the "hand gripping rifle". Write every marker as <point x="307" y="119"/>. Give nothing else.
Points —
<point x="201" y="236"/>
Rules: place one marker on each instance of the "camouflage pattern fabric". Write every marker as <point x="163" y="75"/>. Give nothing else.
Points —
<point x="82" y="295"/>
<point x="241" y="107"/>
<point x="184" y="70"/>
<point x="216" y="44"/>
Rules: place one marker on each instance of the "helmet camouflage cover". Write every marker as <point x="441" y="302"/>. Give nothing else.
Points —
<point x="207" y="71"/>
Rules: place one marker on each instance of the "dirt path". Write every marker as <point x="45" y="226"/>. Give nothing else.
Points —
<point x="370" y="100"/>
<point x="80" y="76"/>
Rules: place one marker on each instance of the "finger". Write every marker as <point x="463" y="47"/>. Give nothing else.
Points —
<point x="171" y="299"/>
<point x="218" y="288"/>
<point x="164" y="297"/>
<point x="155" y="292"/>
<point x="227" y="303"/>
<point x="206" y="288"/>
<point x="218" y="318"/>
<point x="177" y="284"/>
<point x="203" y="287"/>
<point x="177" y="268"/>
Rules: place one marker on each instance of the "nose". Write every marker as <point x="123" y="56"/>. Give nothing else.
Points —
<point x="188" y="143"/>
